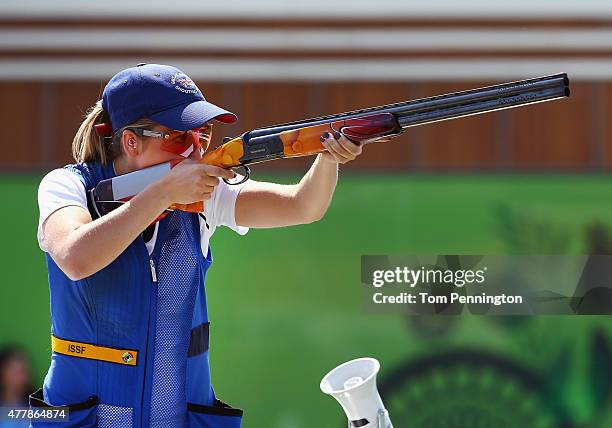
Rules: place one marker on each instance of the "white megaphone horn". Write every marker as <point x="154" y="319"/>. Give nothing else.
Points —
<point x="353" y="384"/>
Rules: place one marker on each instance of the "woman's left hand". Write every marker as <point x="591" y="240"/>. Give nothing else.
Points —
<point x="339" y="148"/>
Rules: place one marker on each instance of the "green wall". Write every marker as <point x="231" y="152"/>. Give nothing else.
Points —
<point x="285" y="304"/>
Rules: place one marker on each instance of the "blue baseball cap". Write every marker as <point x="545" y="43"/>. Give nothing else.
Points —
<point x="161" y="93"/>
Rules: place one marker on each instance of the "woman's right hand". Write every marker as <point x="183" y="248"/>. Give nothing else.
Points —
<point x="191" y="181"/>
<point x="82" y="247"/>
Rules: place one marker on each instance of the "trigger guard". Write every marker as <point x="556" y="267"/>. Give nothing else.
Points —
<point x="247" y="175"/>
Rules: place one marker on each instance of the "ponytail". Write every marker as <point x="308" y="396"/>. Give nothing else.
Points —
<point x="87" y="145"/>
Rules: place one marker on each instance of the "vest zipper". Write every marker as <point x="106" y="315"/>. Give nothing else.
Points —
<point x="153" y="271"/>
<point x="144" y="423"/>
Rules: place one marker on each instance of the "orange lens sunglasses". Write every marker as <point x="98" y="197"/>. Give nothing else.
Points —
<point x="182" y="143"/>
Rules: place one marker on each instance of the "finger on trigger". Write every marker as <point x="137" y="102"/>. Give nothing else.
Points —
<point x="216" y="171"/>
<point x="211" y="181"/>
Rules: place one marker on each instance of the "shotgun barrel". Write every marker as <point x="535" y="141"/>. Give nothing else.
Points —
<point x="448" y="106"/>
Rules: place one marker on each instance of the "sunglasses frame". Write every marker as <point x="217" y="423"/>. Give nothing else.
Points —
<point x="143" y="132"/>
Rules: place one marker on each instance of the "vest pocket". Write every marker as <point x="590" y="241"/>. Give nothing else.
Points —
<point x="115" y="416"/>
<point x="220" y="415"/>
<point x="82" y="415"/>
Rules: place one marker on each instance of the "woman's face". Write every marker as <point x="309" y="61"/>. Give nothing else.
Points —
<point x="180" y="145"/>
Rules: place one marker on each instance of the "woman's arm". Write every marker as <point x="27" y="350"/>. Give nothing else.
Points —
<point x="82" y="247"/>
<point x="267" y="205"/>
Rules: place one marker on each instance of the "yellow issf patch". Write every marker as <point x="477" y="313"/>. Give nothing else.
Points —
<point x="93" y="352"/>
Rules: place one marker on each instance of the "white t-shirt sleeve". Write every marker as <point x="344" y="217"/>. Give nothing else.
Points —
<point x="223" y="207"/>
<point x="58" y="189"/>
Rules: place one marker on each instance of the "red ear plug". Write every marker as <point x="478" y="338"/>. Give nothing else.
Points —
<point x="104" y="129"/>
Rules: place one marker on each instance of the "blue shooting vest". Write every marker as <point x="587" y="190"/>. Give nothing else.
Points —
<point x="153" y="305"/>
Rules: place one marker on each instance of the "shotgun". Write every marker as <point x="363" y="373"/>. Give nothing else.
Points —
<point x="369" y="125"/>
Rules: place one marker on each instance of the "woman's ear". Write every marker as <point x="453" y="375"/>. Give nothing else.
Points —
<point x="130" y="143"/>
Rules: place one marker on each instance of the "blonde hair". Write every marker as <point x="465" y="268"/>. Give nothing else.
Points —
<point x="88" y="146"/>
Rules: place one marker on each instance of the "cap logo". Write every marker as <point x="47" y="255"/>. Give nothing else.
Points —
<point x="183" y="83"/>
